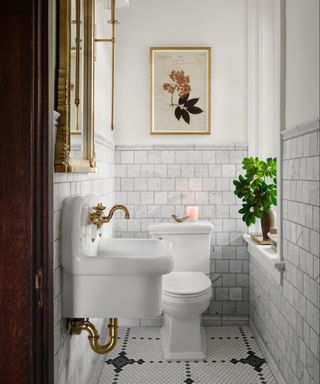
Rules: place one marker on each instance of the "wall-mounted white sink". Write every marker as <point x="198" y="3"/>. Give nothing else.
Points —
<point x="109" y="277"/>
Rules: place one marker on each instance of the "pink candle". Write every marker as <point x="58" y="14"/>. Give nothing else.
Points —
<point x="192" y="212"/>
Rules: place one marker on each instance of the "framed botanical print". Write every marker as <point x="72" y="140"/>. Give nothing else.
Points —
<point x="180" y="91"/>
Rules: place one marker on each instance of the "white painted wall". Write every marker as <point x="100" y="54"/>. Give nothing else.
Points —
<point x="302" y="67"/>
<point x="221" y="24"/>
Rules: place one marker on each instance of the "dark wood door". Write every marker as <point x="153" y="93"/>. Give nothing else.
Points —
<point x="25" y="194"/>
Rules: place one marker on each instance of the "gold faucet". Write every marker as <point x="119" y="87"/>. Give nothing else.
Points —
<point x="97" y="215"/>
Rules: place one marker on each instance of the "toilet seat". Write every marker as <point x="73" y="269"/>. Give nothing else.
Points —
<point x="185" y="284"/>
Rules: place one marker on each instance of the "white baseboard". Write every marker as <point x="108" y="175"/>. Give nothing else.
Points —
<point x="207" y="321"/>
<point x="267" y="355"/>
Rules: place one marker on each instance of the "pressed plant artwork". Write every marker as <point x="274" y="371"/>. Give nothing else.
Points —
<point x="180" y="89"/>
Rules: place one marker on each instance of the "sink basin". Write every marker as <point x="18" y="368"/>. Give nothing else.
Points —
<point x="109" y="277"/>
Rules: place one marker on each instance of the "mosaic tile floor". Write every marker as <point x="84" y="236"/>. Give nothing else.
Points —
<point x="233" y="358"/>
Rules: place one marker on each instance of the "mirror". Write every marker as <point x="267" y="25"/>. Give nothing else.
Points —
<point x="74" y="150"/>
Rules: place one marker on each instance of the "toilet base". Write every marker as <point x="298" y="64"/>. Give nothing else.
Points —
<point x="183" y="339"/>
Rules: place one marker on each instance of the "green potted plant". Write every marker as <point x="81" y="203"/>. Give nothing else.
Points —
<point x="258" y="191"/>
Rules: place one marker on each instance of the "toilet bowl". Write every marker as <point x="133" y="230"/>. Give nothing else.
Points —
<point x="185" y="296"/>
<point x="187" y="291"/>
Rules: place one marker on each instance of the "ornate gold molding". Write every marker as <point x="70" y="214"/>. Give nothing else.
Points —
<point x="63" y="160"/>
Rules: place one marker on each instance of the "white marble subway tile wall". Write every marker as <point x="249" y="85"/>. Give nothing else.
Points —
<point x="287" y="317"/>
<point x="157" y="181"/>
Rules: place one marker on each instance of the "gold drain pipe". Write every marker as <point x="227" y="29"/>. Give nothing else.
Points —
<point x="76" y="326"/>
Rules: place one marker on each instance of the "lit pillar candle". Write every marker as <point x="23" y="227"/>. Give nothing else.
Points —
<point x="192" y="212"/>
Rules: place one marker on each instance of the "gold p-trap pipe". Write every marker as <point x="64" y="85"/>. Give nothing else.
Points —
<point x="76" y="326"/>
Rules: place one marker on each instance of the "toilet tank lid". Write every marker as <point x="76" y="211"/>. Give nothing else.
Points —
<point x="183" y="228"/>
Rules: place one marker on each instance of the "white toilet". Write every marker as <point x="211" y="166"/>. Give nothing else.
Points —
<point x="186" y="291"/>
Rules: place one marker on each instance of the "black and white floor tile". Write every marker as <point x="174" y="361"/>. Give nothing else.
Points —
<point x="233" y="358"/>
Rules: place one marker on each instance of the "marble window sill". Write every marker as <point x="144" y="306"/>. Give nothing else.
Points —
<point x="266" y="257"/>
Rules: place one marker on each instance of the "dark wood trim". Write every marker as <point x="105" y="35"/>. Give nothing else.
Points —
<point x="26" y="332"/>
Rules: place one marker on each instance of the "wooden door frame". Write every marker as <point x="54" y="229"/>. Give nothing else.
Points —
<point x="26" y="220"/>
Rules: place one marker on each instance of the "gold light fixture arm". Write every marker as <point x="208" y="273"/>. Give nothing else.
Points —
<point x="76" y="326"/>
<point x="112" y="40"/>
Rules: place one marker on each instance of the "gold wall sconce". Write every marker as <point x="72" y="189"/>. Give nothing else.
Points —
<point x="112" y="4"/>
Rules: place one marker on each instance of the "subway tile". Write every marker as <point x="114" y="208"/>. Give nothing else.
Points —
<point x="228" y="170"/>
<point x="222" y="157"/>
<point x="223" y="184"/>
<point x="168" y="184"/>
<point x="154" y="157"/>
<point x="228" y="280"/>
<point x="140" y="211"/>
<point x="140" y="157"/>
<point x="195" y="184"/>
<point x="201" y="170"/>
<point x="133" y="198"/>
<point x="182" y="157"/>
<point x="222" y="211"/>
<point x="147" y="170"/>
<point x="133" y="170"/>
<point x="215" y="197"/>
<point x="154" y="184"/>
<point x="221" y="294"/>
<point x="208" y="157"/>
<point x="215" y="170"/>
<point x="147" y="197"/>
<point x="160" y="170"/>
<point x="236" y="266"/>
<point x="154" y="211"/>
<point x="127" y="184"/>
<point x="235" y="294"/>
<point x="161" y="197"/>
<point x="182" y="184"/>
<point x="174" y="197"/>
<point x="141" y="184"/>
<point x="223" y="238"/>
<point x="188" y="198"/>
<point x="174" y="170"/>
<point x="208" y="184"/>
<point x="168" y="157"/>
<point x="167" y="210"/>
<point x="201" y="197"/>
<point x="208" y="212"/>
<point x="127" y="157"/>
<point x="195" y="157"/>
<point x="228" y="198"/>
<point x="187" y="170"/>
<point x="222" y="266"/>
<point x="120" y="170"/>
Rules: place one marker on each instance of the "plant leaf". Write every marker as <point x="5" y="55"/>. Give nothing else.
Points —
<point x="183" y="99"/>
<point x="185" y="116"/>
<point x="178" y="113"/>
<point x="190" y="103"/>
<point x="194" y="110"/>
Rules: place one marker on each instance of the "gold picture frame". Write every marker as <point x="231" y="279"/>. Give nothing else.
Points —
<point x="180" y="90"/>
<point x="76" y="70"/>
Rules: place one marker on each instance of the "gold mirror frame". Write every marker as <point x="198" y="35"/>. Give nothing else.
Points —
<point x="63" y="160"/>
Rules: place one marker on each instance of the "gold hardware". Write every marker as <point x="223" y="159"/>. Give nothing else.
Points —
<point x="38" y="284"/>
<point x="112" y="40"/>
<point x="179" y="219"/>
<point x="97" y="215"/>
<point x="76" y="326"/>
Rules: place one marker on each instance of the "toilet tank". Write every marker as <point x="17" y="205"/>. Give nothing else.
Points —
<point x="191" y="244"/>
